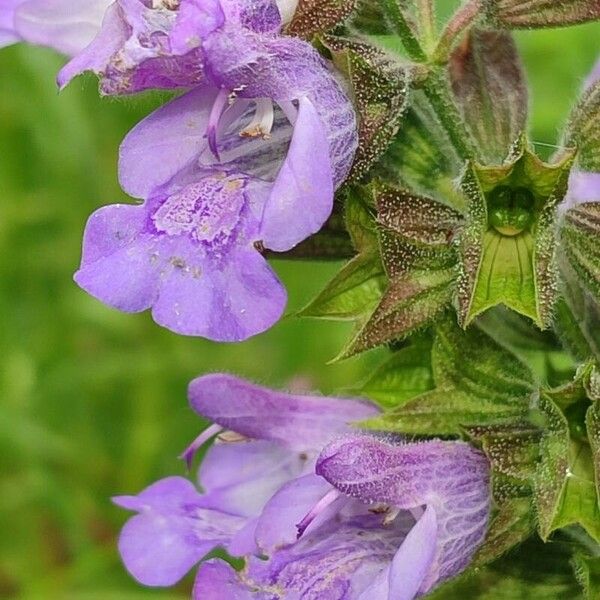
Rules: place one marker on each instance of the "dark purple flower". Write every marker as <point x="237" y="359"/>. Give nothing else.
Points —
<point x="247" y="160"/>
<point x="65" y="25"/>
<point x="272" y="438"/>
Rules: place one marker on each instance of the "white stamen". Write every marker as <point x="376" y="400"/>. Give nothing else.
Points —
<point x="262" y="122"/>
<point x="287" y="8"/>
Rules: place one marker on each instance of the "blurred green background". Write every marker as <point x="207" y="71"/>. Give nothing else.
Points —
<point x="93" y="402"/>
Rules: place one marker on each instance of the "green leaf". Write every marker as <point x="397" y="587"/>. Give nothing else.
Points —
<point x="527" y="14"/>
<point x="380" y="90"/>
<point x="580" y="240"/>
<point x="587" y="571"/>
<point x="405" y="375"/>
<point x="583" y="129"/>
<point x="511" y="262"/>
<point x="317" y="16"/>
<point x="477" y="382"/>
<point x="490" y="88"/>
<point x="565" y="491"/>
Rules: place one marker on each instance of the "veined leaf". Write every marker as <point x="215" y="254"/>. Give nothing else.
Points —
<point x="489" y="85"/>
<point x="526" y="14"/>
<point x="316" y="16"/>
<point x="380" y="90"/>
<point x="477" y="382"/>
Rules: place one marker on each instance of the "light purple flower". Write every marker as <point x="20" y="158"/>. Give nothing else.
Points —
<point x="378" y="519"/>
<point x="400" y="519"/>
<point x="272" y="438"/>
<point x="247" y="160"/>
<point x="65" y="25"/>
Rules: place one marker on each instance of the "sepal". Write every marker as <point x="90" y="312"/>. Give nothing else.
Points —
<point x="565" y="482"/>
<point x="528" y="14"/>
<point x="415" y="238"/>
<point x="580" y="240"/>
<point x="355" y="291"/>
<point x="312" y="17"/>
<point x="491" y="92"/>
<point x="583" y="128"/>
<point x="507" y="247"/>
<point x="380" y="89"/>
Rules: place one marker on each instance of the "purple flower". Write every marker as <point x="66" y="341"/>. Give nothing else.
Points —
<point x="247" y="160"/>
<point x="374" y="518"/>
<point x="65" y="25"/>
<point x="272" y="438"/>
<point x="400" y="519"/>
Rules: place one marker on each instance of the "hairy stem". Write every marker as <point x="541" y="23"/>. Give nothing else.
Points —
<point x="404" y="30"/>
<point x="462" y="20"/>
<point x="427" y="24"/>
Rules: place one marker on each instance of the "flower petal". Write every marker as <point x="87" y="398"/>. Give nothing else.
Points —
<point x="339" y="559"/>
<point x="64" y="25"/>
<point x="414" y="559"/>
<point x="228" y="301"/>
<point x="240" y="477"/>
<point x="165" y="143"/>
<point x="277" y="523"/>
<point x="297" y="422"/>
<point x="451" y="477"/>
<point x="172" y="532"/>
<point x="216" y="580"/>
<point x="111" y="36"/>
<point x="301" y="199"/>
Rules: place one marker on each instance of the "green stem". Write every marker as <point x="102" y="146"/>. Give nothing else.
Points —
<point x="437" y="90"/>
<point x="427" y="24"/>
<point x="404" y="30"/>
<point x="462" y="20"/>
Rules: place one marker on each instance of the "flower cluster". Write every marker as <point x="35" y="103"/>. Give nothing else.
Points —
<point x="339" y="513"/>
<point x="464" y="246"/>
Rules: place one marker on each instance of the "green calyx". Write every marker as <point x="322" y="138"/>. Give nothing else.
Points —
<point x="510" y="210"/>
<point x="507" y="246"/>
